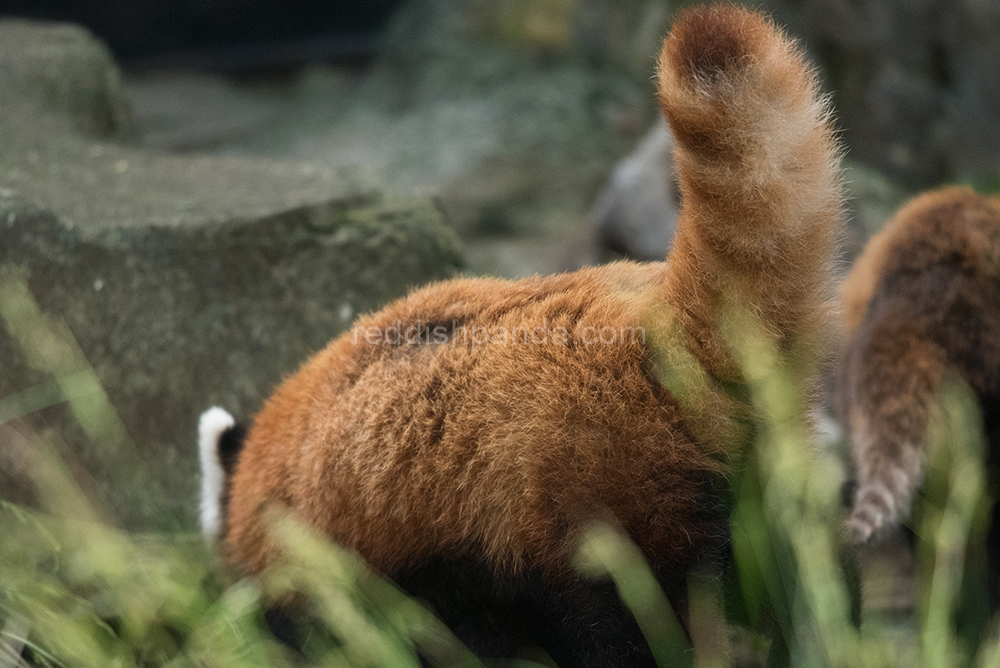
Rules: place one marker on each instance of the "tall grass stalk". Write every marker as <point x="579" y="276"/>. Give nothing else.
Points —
<point x="605" y="553"/>
<point x="952" y="522"/>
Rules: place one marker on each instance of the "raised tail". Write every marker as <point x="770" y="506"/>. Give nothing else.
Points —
<point x="220" y="440"/>
<point x="758" y="168"/>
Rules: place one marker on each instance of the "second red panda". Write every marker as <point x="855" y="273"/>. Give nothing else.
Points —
<point x="922" y="303"/>
<point x="466" y="468"/>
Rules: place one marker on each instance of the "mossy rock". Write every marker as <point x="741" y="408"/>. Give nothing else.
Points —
<point x="183" y="282"/>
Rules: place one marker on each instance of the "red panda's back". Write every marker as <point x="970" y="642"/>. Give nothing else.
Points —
<point x="482" y="415"/>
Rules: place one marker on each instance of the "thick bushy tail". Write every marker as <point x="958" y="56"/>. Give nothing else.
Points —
<point x="920" y="306"/>
<point x="220" y="440"/>
<point x="758" y="167"/>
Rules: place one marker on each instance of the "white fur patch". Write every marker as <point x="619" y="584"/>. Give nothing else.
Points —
<point x="828" y="431"/>
<point x="211" y="426"/>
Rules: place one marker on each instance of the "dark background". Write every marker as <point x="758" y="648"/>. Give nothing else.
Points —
<point x="157" y="31"/>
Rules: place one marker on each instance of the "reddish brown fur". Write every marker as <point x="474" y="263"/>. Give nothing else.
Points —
<point x="921" y="302"/>
<point x="714" y="41"/>
<point x="406" y="451"/>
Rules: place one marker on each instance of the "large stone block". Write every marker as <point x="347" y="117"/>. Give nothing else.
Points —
<point x="184" y="282"/>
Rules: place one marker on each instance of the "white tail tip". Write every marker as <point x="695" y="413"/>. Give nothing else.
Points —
<point x="211" y="425"/>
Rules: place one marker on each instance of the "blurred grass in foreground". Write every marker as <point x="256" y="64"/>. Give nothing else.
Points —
<point x="77" y="591"/>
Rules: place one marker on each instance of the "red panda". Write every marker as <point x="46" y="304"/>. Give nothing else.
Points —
<point x="921" y="303"/>
<point x="462" y="438"/>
